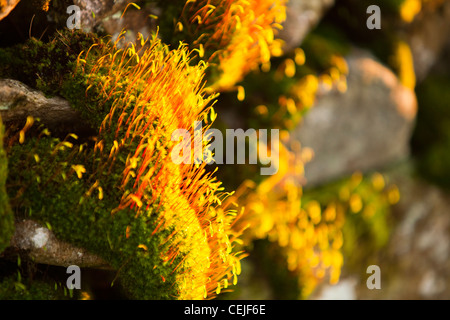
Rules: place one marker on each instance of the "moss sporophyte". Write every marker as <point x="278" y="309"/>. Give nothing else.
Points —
<point x="234" y="36"/>
<point x="162" y="226"/>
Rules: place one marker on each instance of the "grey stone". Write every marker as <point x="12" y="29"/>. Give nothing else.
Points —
<point x="363" y="129"/>
<point x="17" y="101"/>
<point x="343" y="290"/>
<point x="93" y="11"/>
<point x="43" y="247"/>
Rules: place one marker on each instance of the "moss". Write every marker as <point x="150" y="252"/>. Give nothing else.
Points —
<point x="6" y="215"/>
<point x="389" y="42"/>
<point x="314" y="232"/>
<point x="45" y="65"/>
<point x="89" y="223"/>
<point x="51" y="68"/>
<point x="17" y="288"/>
<point x="120" y="196"/>
<point x="42" y="4"/>
<point x="171" y="11"/>
<point x="232" y="41"/>
<point x="320" y="49"/>
<point x="171" y="14"/>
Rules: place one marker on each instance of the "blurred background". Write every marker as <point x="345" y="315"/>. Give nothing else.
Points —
<point x="377" y="123"/>
<point x="374" y="110"/>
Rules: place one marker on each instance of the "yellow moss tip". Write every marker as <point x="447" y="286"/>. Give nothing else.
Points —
<point x="300" y="56"/>
<point x="409" y="9"/>
<point x="79" y="170"/>
<point x="393" y="195"/>
<point x="241" y="93"/>
<point x="404" y="62"/>
<point x="28" y="124"/>
<point x="289" y="68"/>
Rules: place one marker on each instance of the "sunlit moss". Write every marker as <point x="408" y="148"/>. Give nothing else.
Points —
<point x="46" y="65"/>
<point x="160" y="225"/>
<point x="44" y="4"/>
<point x="358" y="207"/>
<point x="234" y="36"/>
<point x="293" y="83"/>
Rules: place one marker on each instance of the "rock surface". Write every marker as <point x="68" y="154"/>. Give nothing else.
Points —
<point x="42" y="246"/>
<point x="365" y="128"/>
<point x="17" y="101"/>
<point x="301" y="17"/>
<point x="92" y="11"/>
<point x="428" y="39"/>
